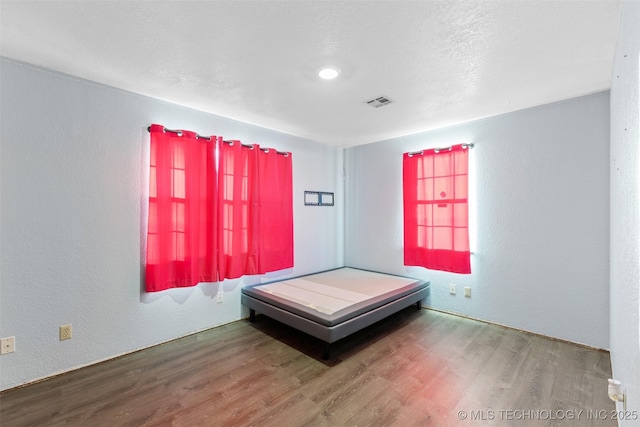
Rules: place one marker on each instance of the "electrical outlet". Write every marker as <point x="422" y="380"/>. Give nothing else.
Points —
<point x="65" y="332"/>
<point x="220" y="297"/>
<point x="452" y="289"/>
<point x="467" y="291"/>
<point x="7" y="345"/>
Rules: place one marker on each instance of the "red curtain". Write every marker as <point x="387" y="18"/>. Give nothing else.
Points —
<point x="181" y="232"/>
<point x="276" y="210"/>
<point x="255" y="211"/>
<point x="207" y="224"/>
<point x="238" y="226"/>
<point x="436" y="209"/>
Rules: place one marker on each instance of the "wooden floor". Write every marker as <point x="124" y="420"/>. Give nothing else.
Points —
<point x="419" y="367"/>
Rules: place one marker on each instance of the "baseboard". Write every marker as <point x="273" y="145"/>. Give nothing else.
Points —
<point x="452" y="313"/>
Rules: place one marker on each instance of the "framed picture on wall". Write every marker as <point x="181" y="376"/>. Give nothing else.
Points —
<point x="326" y="199"/>
<point x="318" y="198"/>
<point x="311" y="198"/>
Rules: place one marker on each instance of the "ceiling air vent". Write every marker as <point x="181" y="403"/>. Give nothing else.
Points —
<point x="380" y="101"/>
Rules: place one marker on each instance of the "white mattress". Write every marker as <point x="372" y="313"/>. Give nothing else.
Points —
<point x="332" y="291"/>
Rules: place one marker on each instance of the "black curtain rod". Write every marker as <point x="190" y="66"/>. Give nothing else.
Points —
<point x="244" y="145"/>
<point x="266" y="150"/>
<point x="208" y="138"/>
<point x="176" y="131"/>
<point x="179" y="133"/>
<point x="437" y="150"/>
<point x="284" y="153"/>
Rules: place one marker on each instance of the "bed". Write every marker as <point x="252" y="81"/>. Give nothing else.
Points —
<point x="333" y="304"/>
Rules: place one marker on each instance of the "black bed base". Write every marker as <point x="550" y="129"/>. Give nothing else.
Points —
<point x="326" y="353"/>
<point x="330" y="334"/>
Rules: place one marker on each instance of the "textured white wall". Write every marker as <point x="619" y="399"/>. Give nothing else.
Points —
<point x="625" y="208"/>
<point x="73" y="187"/>
<point x="541" y="259"/>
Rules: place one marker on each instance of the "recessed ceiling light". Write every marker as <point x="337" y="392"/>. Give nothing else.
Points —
<point x="328" y="73"/>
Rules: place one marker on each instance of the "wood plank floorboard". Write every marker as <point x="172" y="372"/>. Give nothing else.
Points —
<point x="418" y="367"/>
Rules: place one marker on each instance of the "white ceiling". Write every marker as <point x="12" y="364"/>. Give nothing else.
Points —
<point x="441" y="62"/>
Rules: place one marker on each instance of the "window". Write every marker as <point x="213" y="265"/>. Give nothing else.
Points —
<point x="208" y="221"/>
<point x="257" y="210"/>
<point x="436" y="209"/>
<point x="276" y="210"/>
<point x="238" y="251"/>
<point x="181" y="222"/>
